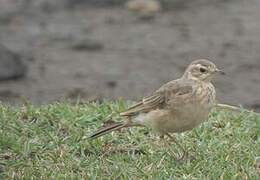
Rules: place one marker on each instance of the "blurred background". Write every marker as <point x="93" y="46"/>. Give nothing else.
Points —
<point x="61" y="49"/>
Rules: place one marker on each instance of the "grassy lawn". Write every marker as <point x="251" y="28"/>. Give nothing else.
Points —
<point x="49" y="142"/>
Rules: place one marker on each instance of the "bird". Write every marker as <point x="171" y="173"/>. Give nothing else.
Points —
<point x="177" y="106"/>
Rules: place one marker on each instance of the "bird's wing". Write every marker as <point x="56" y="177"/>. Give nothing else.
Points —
<point x="159" y="99"/>
<point x="146" y="105"/>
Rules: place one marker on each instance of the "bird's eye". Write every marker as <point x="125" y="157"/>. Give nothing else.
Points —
<point x="203" y="70"/>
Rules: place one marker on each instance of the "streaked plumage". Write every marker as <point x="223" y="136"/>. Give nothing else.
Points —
<point x="177" y="106"/>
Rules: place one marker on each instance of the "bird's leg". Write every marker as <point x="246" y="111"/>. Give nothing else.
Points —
<point x="170" y="148"/>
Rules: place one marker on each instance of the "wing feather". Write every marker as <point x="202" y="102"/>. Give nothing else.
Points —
<point x="147" y="104"/>
<point x="159" y="99"/>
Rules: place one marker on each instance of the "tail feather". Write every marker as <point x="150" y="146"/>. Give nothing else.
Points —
<point x="108" y="129"/>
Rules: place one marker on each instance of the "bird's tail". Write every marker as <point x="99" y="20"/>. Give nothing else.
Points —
<point x="108" y="129"/>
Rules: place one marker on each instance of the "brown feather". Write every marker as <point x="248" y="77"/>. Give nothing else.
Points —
<point x="147" y="104"/>
<point x="107" y="129"/>
<point x="159" y="99"/>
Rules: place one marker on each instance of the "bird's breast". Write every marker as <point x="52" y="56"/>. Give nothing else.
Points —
<point x="193" y="109"/>
<point x="199" y="106"/>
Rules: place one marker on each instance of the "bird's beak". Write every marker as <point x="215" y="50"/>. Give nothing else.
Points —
<point x="217" y="72"/>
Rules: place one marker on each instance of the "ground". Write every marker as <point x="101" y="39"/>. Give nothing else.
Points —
<point x="50" y="142"/>
<point x="107" y="52"/>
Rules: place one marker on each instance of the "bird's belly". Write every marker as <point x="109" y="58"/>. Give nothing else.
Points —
<point x="182" y="120"/>
<point x="164" y="121"/>
<point x="189" y="119"/>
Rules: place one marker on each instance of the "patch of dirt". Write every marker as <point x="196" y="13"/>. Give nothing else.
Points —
<point x="108" y="52"/>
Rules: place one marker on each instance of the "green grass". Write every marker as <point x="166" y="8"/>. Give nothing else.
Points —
<point x="48" y="142"/>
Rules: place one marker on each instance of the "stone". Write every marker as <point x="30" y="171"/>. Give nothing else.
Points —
<point x="11" y="64"/>
<point x="144" y="8"/>
<point x="87" y="45"/>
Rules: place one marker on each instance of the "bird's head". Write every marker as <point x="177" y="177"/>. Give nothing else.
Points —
<point x="202" y="70"/>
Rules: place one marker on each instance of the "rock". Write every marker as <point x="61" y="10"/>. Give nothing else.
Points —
<point x="144" y="8"/>
<point x="11" y="64"/>
<point x="87" y="45"/>
<point x="111" y="84"/>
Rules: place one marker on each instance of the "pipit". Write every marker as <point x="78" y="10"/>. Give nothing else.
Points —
<point x="177" y="106"/>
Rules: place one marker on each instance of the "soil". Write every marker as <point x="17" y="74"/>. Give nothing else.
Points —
<point x="108" y="52"/>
